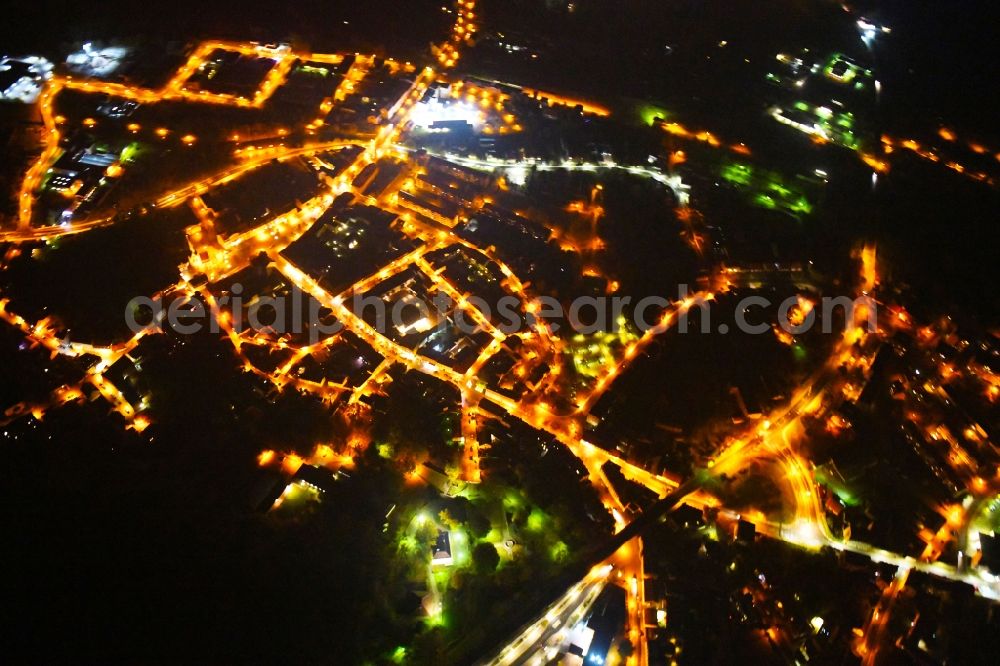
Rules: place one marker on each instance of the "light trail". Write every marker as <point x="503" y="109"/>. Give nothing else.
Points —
<point x="552" y="626"/>
<point x="569" y="102"/>
<point x="891" y="144"/>
<point x="672" y="181"/>
<point x="199" y="187"/>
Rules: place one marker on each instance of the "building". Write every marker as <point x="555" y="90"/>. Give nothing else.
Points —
<point x="746" y="531"/>
<point x="266" y="490"/>
<point x="580" y="639"/>
<point x="460" y="127"/>
<point x="11" y="73"/>
<point x="317" y="478"/>
<point x="99" y="61"/>
<point x="606" y="620"/>
<point x="21" y="79"/>
<point x="84" y="174"/>
<point x="436" y="477"/>
<point x="688" y="516"/>
<point x="441" y="551"/>
<point x="990" y="545"/>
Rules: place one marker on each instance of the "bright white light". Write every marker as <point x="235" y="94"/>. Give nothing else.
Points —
<point x="431" y="111"/>
<point x="805" y="533"/>
<point x="96" y="62"/>
<point x="27" y="88"/>
<point x="868" y="31"/>
<point x="517" y="175"/>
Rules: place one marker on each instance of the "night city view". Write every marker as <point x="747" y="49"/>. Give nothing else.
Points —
<point x="496" y="332"/>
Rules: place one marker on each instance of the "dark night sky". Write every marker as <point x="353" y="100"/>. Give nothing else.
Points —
<point x="949" y="46"/>
<point x="44" y="24"/>
<point x="947" y="57"/>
